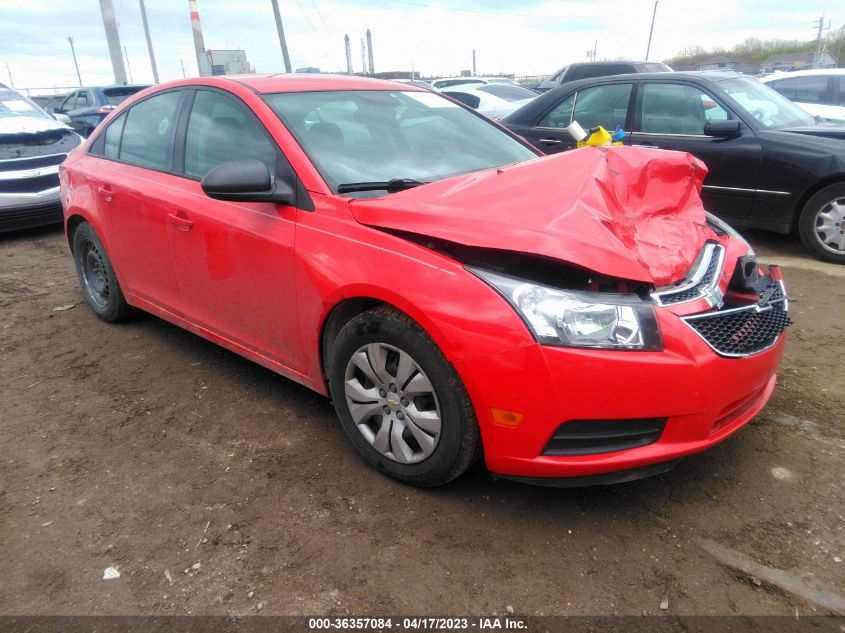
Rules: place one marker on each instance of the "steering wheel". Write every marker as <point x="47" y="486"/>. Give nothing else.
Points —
<point x="758" y="114"/>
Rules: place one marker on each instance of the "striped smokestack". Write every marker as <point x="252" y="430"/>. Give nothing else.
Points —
<point x="203" y="64"/>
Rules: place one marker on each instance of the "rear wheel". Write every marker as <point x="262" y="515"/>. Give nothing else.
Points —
<point x="400" y="402"/>
<point x="96" y="275"/>
<point x="822" y="224"/>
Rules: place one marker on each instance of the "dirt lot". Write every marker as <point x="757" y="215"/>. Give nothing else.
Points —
<point x="143" y="447"/>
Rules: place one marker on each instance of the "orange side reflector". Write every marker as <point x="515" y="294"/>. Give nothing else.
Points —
<point x="506" y="418"/>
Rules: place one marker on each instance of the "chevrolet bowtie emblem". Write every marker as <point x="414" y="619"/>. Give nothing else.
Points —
<point x="767" y="295"/>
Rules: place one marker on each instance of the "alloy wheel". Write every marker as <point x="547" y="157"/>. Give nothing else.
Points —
<point x="393" y="403"/>
<point x="830" y="226"/>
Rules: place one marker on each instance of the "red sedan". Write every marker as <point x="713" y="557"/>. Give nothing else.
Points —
<point x="573" y="319"/>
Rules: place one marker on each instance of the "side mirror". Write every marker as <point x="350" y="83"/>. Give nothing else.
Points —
<point x="246" y="181"/>
<point x="722" y="129"/>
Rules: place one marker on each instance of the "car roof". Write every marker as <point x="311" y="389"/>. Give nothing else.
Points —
<point x="307" y="82"/>
<point x="710" y="75"/>
<point x="106" y="87"/>
<point x="814" y="72"/>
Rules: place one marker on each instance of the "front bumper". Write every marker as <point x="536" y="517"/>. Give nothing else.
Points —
<point x="43" y="212"/>
<point x="703" y="397"/>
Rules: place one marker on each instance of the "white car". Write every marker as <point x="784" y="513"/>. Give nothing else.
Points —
<point x="448" y="82"/>
<point x="491" y="100"/>
<point x="820" y="92"/>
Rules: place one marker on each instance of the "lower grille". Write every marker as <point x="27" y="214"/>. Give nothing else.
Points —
<point x="589" y="437"/>
<point x="747" y="330"/>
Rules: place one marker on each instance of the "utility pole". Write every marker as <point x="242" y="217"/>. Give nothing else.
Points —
<point x="149" y="41"/>
<point x="370" y="51"/>
<point x="474" y="73"/>
<point x="72" y="52"/>
<point x="128" y="65"/>
<point x="817" y="57"/>
<point x="363" y="57"/>
<point x="182" y="62"/>
<point x="113" y="39"/>
<point x="12" y="81"/>
<point x="651" y="31"/>
<point x="281" y="31"/>
<point x="348" y="54"/>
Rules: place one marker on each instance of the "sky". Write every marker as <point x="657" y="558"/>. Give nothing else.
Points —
<point x="432" y="37"/>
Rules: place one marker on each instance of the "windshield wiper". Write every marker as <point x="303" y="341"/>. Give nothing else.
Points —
<point x="397" y="184"/>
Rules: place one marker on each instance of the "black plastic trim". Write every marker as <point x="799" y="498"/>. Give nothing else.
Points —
<point x="593" y="437"/>
<point x="602" y="479"/>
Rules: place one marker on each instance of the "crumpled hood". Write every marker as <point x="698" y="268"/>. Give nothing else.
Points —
<point x="29" y="125"/>
<point x="628" y="212"/>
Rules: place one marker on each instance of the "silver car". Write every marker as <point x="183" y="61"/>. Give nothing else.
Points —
<point x="32" y="146"/>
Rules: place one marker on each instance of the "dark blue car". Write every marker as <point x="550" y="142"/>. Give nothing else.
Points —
<point x="86" y="107"/>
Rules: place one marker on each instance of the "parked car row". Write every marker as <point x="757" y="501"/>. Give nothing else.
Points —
<point x="770" y="164"/>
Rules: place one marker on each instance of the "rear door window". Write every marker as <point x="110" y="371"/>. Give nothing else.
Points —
<point x="603" y="105"/>
<point x="113" y="133"/>
<point x="561" y="115"/>
<point x="804" y="89"/>
<point x="84" y="100"/>
<point x="147" y="138"/>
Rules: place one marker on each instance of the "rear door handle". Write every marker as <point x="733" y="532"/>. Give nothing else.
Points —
<point x="105" y="192"/>
<point x="180" y="222"/>
<point x="550" y="141"/>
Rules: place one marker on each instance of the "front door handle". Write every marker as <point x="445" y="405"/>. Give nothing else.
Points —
<point x="180" y="222"/>
<point x="105" y="192"/>
<point x="550" y="141"/>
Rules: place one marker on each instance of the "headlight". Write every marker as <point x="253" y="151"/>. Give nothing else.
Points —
<point x="727" y="228"/>
<point x="579" y="319"/>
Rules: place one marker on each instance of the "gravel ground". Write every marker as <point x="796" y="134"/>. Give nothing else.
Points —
<point x="216" y="487"/>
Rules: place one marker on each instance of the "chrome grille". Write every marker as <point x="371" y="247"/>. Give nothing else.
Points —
<point x="701" y="282"/>
<point x="746" y="330"/>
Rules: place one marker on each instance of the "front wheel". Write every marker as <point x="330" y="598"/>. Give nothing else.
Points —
<point x="822" y="224"/>
<point x="400" y="402"/>
<point x="96" y="275"/>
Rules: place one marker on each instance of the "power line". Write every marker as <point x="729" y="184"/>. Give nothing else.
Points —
<point x="483" y="12"/>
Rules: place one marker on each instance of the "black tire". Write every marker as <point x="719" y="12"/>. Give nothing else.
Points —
<point x="96" y="275"/>
<point x="459" y="443"/>
<point x="810" y="220"/>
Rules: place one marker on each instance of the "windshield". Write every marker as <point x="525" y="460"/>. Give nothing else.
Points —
<point x="375" y="135"/>
<point x="769" y="108"/>
<point x="13" y="104"/>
